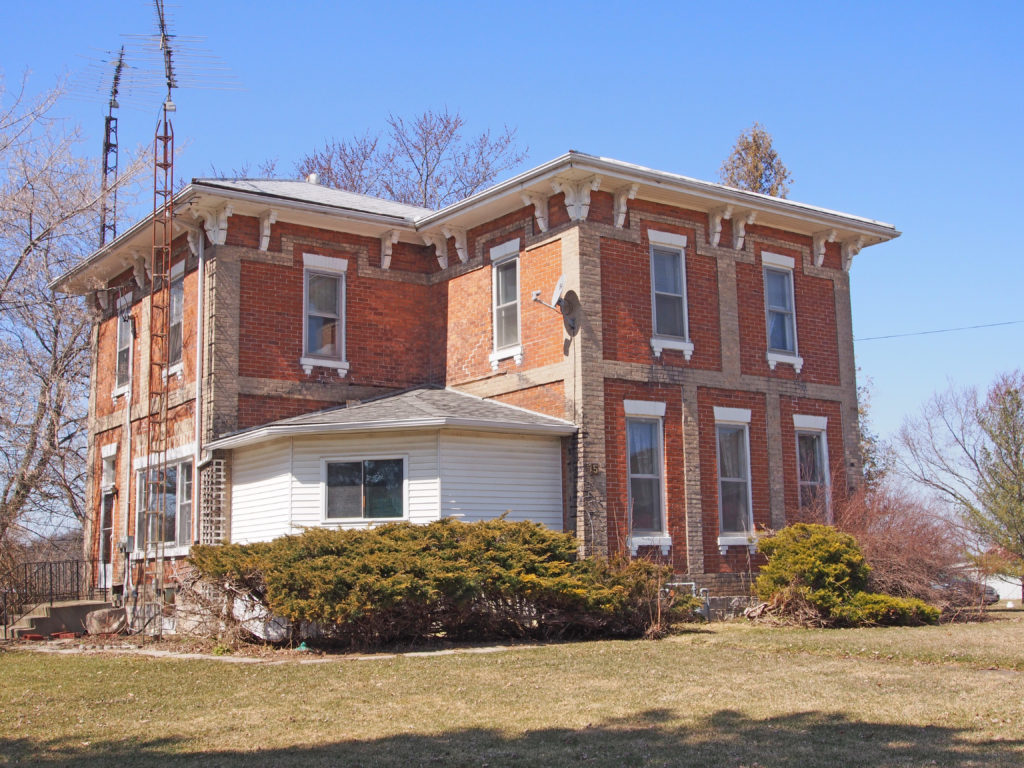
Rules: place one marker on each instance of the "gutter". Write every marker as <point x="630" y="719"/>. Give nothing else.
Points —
<point x="271" y="432"/>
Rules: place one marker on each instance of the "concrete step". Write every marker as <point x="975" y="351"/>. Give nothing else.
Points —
<point x="63" y="616"/>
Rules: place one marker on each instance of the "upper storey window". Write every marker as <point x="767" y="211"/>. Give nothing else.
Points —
<point x="177" y="316"/>
<point x="780" y="310"/>
<point x="505" y="303"/>
<point x="123" y="369"/>
<point x="668" y="293"/>
<point x="324" y="313"/>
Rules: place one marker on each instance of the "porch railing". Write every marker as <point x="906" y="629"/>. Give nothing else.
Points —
<point x="26" y="586"/>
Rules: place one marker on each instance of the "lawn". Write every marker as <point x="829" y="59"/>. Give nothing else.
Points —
<point x="728" y="694"/>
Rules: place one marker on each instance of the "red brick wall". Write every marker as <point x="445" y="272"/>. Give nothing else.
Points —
<point x="834" y="439"/>
<point x="736" y="560"/>
<point x="616" y="468"/>
<point x="547" y="398"/>
<point x="254" y="410"/>
<point x="627" y="309"/>
<point x="816" y="334"/>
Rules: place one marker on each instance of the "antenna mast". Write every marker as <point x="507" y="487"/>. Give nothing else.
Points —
<point x="108" y="184"/>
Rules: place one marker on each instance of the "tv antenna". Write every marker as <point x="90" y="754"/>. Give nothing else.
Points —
<point x="108" y="184"/>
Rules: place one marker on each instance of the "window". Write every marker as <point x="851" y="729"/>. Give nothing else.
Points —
<point x="780" y="310"/>
<point x="505" y="301"/>
<point x="177" y="315"/>
<point x="324" y="313"/>
<point x="369" y="489"/>
<point x="644" y="438"/>
<point x="812" y="464"/>
<point x="123" y="371"/>
<point x="736" y="522"/>
<point x="174" y="489"/>
<point x="668" y="293"/>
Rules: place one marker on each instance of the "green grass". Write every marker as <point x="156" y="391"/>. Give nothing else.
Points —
<point x="729" y="694"/>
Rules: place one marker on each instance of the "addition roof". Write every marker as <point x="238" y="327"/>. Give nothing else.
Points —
<point x="412" y="409"/>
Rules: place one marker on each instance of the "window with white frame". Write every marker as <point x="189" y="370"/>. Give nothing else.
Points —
<point x="780" y="310"/>
<point x="812" y="463"/>
<point x="645" y="475"/>
<point x="505" y="302"/>
<point x="732" y="437"/>
<point x="324" y="312"/>
<point x="169" y="491"/>
<point x="123" y="365"/>
<point x="364" y="489"/>
<point x="174" y="341"/>
<point x="670" y="320"/>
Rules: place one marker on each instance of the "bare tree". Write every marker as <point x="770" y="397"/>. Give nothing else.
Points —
<point x="755" y="165"/>
<point x="422" y="161"/>
<point x="49" y="204"/>
<point x="969" y="449"/>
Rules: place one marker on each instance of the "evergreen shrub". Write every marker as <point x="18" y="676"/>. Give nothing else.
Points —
<point x="459" y="581"/>
<point x="816" y="574"/>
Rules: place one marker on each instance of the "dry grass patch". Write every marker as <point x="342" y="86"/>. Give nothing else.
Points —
<point x="729" y="695"/>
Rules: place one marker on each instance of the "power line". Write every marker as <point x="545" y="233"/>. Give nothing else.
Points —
<point x="940" y="330"/>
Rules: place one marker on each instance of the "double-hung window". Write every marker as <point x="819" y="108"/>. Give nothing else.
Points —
<point x="812" y="464"/>
<point x="670" y="320"/>
<point x="364" y="489"/>
<point x="123" y="366"/>
<point x="645" y="474"/>
<point x="174" y="340"/>
<point x="780" y="310"/>
<point x="324" y="313"/>
<point x="732" y="438"/>
<point x="169" y="491"/>
<point x="505" y="303"/>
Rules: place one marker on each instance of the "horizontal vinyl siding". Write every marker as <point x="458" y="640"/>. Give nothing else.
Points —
<point x="419" y="448"/>
<point x="485" y="475"/>
<point x="260" y="485"/>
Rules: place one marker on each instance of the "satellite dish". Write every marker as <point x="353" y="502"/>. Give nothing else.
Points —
<point x="556" y="295"/>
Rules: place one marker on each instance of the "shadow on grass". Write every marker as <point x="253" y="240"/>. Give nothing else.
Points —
<point x="647" y="739"/>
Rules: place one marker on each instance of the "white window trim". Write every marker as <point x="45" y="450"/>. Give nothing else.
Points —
<point x="502" y="254"/>
<point x="171" y="456"/>
<point x="141" y="466"/>
<point x="122" y="303"/>
<point x="788" y="264"/>
<point x="735" y="417"/>
<point x="108" y="450"/>
<point x="661" y="534"/>
<point x="315" y="263"/>
<point x="811" y="425"/>
<point x="660" y="342"/>
<point x="644" y="408"/>
<point x="368" y="522"/>
<point x="178" y="270"/>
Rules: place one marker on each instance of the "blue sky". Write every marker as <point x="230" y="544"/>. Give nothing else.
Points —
<point x="906" y="112"/>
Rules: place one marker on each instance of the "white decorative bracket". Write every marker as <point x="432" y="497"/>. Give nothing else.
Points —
<point x="820" y="239"/>
<point x="540" y="208"/>
<point x="850" y="249"/>
<point x="740" y="220"/>
<point x="267" y="219"/>
<point x="459" y="235"/>
<point x="192" y="232"/>
<point x="715" y="216"/>
<point x="577" y="195"/>
<point x="216" y="223"/>
<point x="440" y="243"/>
<point x="387" y="242"/>
<point x="140" y="268"/>
<point x="621" y="197"/>
<point x="103" y="297"/>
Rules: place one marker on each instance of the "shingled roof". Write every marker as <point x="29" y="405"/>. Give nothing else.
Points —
<point x="412" y="409"/>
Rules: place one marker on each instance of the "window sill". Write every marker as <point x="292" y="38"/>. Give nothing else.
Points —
<point x="650" y="540"/>
<point x="774" y="358"/>
<point x="309" y="363"/>
<point x="748" y="540"/>
<point x="169" y="551"/>
<point x="659" y="343"/>
<point x="497" y="356"/>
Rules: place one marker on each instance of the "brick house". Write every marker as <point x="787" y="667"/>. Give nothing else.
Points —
<point x="341" y="360"/>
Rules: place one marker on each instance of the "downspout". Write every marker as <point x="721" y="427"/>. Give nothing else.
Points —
<point x="198" y="414"/>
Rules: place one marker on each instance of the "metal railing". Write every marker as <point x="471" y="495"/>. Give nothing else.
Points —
<point x="26" y="586"/>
